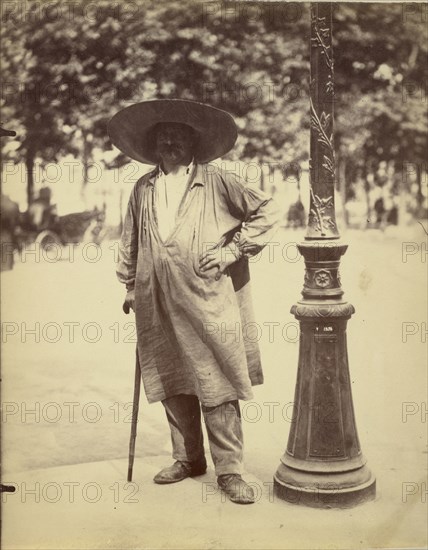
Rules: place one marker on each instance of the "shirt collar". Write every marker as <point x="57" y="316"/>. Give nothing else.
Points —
<point x="197" y="174"/>
<point x="183" y="172"/>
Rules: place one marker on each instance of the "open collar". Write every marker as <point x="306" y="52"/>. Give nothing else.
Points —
<point x="197" y="177"/>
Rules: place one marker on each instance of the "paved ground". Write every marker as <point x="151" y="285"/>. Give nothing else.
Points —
<point x="66" y="404"/>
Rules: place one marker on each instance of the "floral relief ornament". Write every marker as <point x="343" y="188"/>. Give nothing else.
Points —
<point x="321" y="213"/>
<point x="322" y="278"/>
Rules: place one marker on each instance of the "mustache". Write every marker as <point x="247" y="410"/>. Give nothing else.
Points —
<point x="169" y="148"/>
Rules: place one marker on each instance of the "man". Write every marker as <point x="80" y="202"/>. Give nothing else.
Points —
<point x="188" y="233"/>
<point x="9" y="221"/>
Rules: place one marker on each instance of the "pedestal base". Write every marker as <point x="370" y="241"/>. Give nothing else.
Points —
<point x="323" y="465"/>
<point x="325" y="491"/>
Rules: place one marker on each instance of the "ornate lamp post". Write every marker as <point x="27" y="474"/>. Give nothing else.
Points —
<point x="323" y="465"/>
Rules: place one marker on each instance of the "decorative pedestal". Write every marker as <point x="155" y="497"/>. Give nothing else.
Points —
<point x="323" y="465"/>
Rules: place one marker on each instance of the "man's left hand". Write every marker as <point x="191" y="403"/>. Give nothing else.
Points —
<point x="220" y="257"/>
<point x="129" y="302"/>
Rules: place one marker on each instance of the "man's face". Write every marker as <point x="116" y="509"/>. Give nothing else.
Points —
<point x="174" y="143"/>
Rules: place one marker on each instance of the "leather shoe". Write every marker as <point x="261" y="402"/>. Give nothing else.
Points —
<point x="236" y="489"/>
<point x="180" y="470"/>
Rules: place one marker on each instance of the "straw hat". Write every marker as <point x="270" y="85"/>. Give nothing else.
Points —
<point x="131" y="128"/>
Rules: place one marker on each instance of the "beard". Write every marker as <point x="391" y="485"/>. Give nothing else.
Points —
<point x="171" y="152"/>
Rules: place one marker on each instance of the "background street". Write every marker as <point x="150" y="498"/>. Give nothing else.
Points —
<point x="67" y="404"/>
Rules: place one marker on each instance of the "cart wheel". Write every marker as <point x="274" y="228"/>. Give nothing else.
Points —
<point x="47" y="239"/>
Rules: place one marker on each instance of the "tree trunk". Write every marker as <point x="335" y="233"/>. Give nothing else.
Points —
<point x="86" y="158"/>
<point x="341" y="164"/>
<point x="403" y="192"/>
<point x="29" y="164"/>
<point x="419" y="193"/>
<point x="366" y="169"/>
<point x="299" y="192"/>
<point x="262" y="176"/>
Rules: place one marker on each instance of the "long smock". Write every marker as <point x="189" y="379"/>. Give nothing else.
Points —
<point x="194" y="332"/>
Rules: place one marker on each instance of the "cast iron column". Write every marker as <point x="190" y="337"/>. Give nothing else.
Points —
<point x="323" y="465"/>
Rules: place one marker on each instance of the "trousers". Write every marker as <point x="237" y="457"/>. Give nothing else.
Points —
<point x="224" y="429"/>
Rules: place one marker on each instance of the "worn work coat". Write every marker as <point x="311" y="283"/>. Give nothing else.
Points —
<point x="194" y="333"/>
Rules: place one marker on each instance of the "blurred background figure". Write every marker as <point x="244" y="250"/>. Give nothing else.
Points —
<point x="9" y="220"/>
<point x="380" y="210"/>
<point x="9" y="224"/>
<point x="41" y="213"/>
<point x="296" y="215"/>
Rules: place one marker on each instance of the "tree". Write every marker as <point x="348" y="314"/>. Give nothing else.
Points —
<point x="66" y="73"/>
<point x="380" y="75"/>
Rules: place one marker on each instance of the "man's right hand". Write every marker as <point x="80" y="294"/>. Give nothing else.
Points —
<point x="129" y="302"/>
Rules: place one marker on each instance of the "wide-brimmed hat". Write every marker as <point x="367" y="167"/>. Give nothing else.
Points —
<point x="131" y="128"/>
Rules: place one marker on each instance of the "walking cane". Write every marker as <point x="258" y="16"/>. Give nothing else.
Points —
<point x="135" y="407"/>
